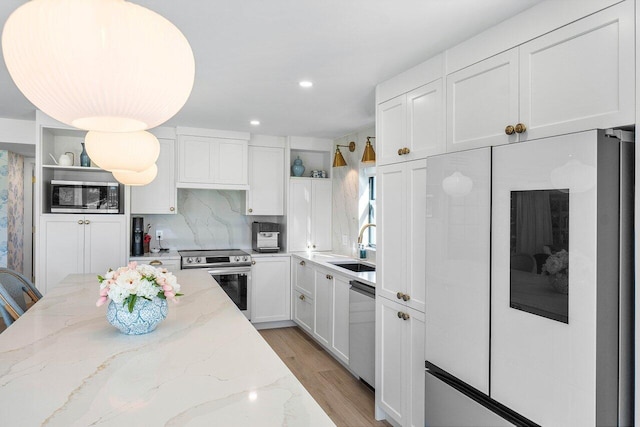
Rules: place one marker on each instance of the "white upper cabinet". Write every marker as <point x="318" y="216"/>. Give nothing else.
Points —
<point x="266" y="181"/>
<point x="159" y="196"/>
<point x="213" y="159"/>
<point x="481" y="101"/>
<point x="578" y="77"/>
<point x="410" y="126"/>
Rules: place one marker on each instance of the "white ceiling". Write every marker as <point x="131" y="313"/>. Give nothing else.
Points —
<point x="250" y="55"/>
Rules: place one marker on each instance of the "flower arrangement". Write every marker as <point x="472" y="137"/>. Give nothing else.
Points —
<point x="557" y="264"/>
<point x="126" y="284"/>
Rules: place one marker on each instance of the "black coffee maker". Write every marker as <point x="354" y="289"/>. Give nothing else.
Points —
<point x="137" y="236"/>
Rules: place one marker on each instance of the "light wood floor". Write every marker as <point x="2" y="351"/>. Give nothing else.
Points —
<point x="346" y="400"/>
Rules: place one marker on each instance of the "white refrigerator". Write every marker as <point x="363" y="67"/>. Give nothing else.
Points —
<point x="528" y="289"/>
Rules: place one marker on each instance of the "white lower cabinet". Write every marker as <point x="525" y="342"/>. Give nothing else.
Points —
<point x="340" y="321"/>
<point x="400" y="362"/>
<point x="271" y="289"/>
<point x="323" y="309"/>
<point x="303" y="311"/>
<point x="79" y="244"/>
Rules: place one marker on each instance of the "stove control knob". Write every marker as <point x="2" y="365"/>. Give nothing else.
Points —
<point x="189" y="260"/>
<point x="246" y="258"/>
<point x="198" y="260"/>
<point x="237" y="259"/>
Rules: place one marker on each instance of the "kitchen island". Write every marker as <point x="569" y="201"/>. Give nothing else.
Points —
<point x="63" y="364"/>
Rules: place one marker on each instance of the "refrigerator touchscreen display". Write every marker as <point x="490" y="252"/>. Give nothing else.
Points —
<point x="539" y="265"/>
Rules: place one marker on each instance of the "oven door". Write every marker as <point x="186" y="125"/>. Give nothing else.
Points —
<point x="236" y="282"/>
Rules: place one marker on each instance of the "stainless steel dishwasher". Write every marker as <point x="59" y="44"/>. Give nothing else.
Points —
<point x="362" y="331"/>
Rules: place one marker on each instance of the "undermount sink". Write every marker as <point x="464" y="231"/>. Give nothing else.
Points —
<point x="354" y="266"/>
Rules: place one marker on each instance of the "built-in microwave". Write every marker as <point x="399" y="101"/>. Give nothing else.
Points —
<point x="85" y="197"/>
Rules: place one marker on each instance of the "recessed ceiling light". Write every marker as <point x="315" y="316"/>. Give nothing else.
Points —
<point x="306" y="83"/>
<point x="255" y="122"/>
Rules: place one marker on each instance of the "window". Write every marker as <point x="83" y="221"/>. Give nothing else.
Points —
<point x="372" y="212"/>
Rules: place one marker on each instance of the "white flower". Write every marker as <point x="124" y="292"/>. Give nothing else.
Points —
<point x="147" y="270"/>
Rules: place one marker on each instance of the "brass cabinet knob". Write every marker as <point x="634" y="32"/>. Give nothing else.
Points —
<point x="399" y="151"/>
<point x="80" y="222"/>
<point x="302" y="263"/>
<point x="330" y="277"/>
<point x="301" y="297"/>
<point x="509" y="130"/>
<point x="400" y="315"/>
<point x="250" y="210"/>
<point x="405" y="316"/>
<point x="406" y="297"/>
<point x="314" y="246"/>
<point x="253" y="262"/>
<point x="155" y="262"/>
<point x="406" y="150"/>
<point x="172" y="209"/>
<point x="87" y="222"/>
<point x="520" y="128"/>
<point x="400" y="295"/>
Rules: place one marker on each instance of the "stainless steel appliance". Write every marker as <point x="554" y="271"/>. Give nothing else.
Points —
<point x="85" y="197"/>
<point x="137" y="236"/>
<point x="265" y="236"/>
<point x="362" y="331"/>
<point x="231" y="268"/>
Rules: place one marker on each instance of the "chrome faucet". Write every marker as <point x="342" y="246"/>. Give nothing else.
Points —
<point x="364" y="227"/>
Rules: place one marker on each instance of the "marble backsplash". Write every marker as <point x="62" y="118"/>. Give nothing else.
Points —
<point x="206" y="219"/>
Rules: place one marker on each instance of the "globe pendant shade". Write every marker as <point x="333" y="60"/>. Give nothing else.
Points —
<point x="137" y="178"/>
<point x="106" y="65"/>
<point x="122" y="152"/>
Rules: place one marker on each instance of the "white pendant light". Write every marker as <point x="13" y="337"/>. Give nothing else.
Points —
<point x="122" y="152"/>
<point x="105" y="65"/>
<point x="137" y="178"/>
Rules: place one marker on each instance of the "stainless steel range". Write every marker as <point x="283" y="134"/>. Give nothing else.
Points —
<point x="231" y="268"/>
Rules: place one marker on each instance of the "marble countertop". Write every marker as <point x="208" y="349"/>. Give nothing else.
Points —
<point x="63" y="364"/>
<point x="326" y="259"/>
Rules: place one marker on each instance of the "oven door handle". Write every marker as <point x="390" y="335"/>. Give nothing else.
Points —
<point x="223" y="271"/>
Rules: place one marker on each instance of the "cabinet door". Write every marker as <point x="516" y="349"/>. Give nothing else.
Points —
<point x="415" y="368"/>
<point x="416" y="211"/>
<point x="271" y="289"/>
<point x="195" y="154"/>
<point x="482" y="100"/>
<point x="230" y="161"/>
<point x="425" y="121"/>
<point x="266" y="181"/>
<point x="580" y="76"/>
<point x="104" y="243"/>
<point x="391" y="231"/>
<point x="303" y="311"/>
<point x="299" y="219"/>
<point x="391" y="387"/>
<point x="323" y="299"/>
<point x="391" y="130"/>
<point x="340" y="323"/>
<point x="62" y="251"/>
<point x="321" y="211"/>
<point x="304" y="277"/>
<point x="159" y="196"/>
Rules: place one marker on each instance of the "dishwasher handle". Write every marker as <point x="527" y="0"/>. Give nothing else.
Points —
<point x="362" y="288"/>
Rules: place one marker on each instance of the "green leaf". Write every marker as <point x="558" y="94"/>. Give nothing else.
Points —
<point x="161" y="295"/>
<point x="132" y="302"/>
<point x="100" y="279"/>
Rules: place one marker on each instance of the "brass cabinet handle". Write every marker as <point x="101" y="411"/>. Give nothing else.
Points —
<point x="406" y="297"/>
<point x="400" y="315"/>
<point x="520" y="128"/>
<point x="509" y="130"/>
<point x="87" y="222"/>
<point x="155" y="262"/>
<point x="172" y="209"/>
<point x="253" y="262"/>
<point x="405" y="316"/>
<point x="400" y="295"/>
<point x="80" y="222"/>
<point x="301" y="297"/>
<point x="250" y="210"/>
<point x="302" y="263"/>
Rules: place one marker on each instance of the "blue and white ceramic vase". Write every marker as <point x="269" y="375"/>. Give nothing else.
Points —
<point x="84" y="157"/>
<point x="144" y="318"/>
<point x="298" y="167"/>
